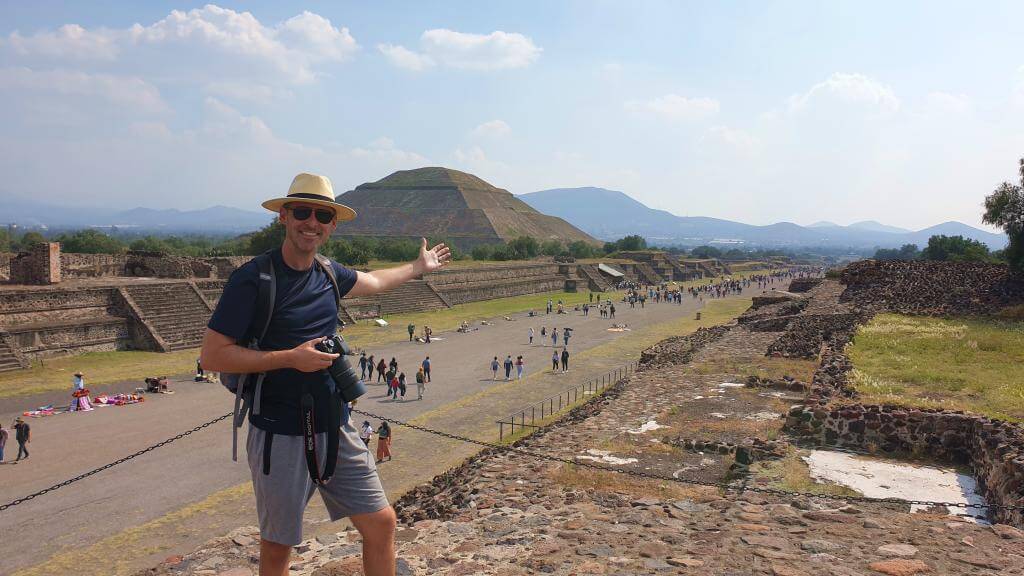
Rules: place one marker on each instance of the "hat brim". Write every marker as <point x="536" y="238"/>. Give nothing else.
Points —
<point x="342" y="213"/>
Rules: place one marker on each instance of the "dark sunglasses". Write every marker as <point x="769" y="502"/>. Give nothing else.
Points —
<point x="304" y="212"/>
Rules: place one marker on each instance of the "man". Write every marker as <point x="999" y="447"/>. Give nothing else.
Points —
<point x="305" y="311"/>
<point x="426" y="368"/>
<point x="412" y="330"/>
<point x="23" y="434"/>
<point x="508" y="367"/>
<point x="362" y="366"/>
<point x="494" y="369"/>
<point x="565" y="359"/>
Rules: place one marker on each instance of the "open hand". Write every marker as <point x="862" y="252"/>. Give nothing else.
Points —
<point x="433" y="258"/>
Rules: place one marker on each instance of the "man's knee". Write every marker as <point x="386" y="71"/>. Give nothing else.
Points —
<point x="377" y="526"/>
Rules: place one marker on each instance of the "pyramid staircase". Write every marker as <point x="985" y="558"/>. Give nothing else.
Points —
<point x="413" y="296"/>
<point x="647" y="275"/>
<point x="9" y="357"/>
<point x="594" y="278"/>
<point x="174" y="311"/>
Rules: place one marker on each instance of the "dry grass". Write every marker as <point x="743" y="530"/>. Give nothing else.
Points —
<point x="98" y="367"/>
<point x="791" y="473"/>
<point x="590" y="480"/>
<point x="961" y="364"/>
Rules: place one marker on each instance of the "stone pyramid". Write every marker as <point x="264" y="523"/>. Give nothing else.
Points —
<point x="442" y="203"/>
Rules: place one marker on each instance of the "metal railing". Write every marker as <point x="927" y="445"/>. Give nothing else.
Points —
<point x="555" y="404"/>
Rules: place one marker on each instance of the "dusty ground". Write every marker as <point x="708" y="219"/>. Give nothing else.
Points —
<point x="507" y="513"/>
<point x="167" y="502"/>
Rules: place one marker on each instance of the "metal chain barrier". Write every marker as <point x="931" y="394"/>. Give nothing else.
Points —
<point x="112" y="464"/>
<point x="689" y="481"/>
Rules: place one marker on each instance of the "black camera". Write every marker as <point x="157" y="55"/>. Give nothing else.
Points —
<point x="346" y="381"/>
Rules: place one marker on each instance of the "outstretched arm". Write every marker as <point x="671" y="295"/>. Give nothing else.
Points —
<point x="381" y="280"/>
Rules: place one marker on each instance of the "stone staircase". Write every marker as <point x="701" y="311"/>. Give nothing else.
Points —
<point x="9" y="358"/>
<point x="647" y="274"/>
<point x="413" y="296"/>
<point x="175" y="311"/>
<point x="594" y="278"/>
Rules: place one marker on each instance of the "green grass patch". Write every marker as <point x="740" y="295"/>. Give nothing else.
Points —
<point x="792" y="473"/>
<point x="99" y="368"/>
<point x="976" y="365"/>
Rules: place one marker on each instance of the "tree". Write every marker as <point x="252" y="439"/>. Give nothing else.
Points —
<point x="348" y="253"/>
<point x="580" y="249"/>
<point x="482" y="252"/>
<point x="955" y="248"/>
<point x="267" y="238"/>
<point x="1005" y="208"/>
<point x="5" y="240"/>
<point x="905" y="252"/>
<point x="705" y="252"/>
<point x="523" y="247"/>
<point x="551" y="247"/>
<point x="28" y="239"/>
<point x="150" y="244"/>
<point x="90" y="241"/>
<point x="632" y="243"/>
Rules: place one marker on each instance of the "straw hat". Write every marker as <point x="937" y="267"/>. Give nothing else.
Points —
<point x="312" y="189"/>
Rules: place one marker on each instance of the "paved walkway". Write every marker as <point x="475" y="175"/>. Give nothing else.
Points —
<point x="173" y="499"/>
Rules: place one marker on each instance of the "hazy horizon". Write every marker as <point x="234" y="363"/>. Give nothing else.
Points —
<point x="905" y="114"/>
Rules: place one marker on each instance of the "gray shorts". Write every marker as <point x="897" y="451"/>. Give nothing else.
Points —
<point x="282" y="494"/>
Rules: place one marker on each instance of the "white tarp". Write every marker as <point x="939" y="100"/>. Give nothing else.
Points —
<point x="609" y="270"/>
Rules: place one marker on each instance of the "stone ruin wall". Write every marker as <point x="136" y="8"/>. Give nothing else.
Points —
<point x="462" y="285"/>
<point x="39" y="266"/>
<point x="74" y="265"/>
<point x="5" y="266"/>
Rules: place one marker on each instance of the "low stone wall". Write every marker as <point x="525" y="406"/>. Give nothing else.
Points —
<point x="75" y="265"/>
<point x="40" y="265"/>
<point x="477" y="291"/>
<point x="995" y="449"/>
<point x="680" y="349"/>
<point x="19" y="307"/>
<point x="5" y="266"/>
<point x="806" y="334"/>
<point x="72" y="337"/>
<point x="799" y="285"/>
<point x="443" y="278"/>
<point x="932" y="288"/>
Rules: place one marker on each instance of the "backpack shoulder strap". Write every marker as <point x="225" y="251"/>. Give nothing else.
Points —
<point x="325" y="264"/>
<point x="266" y="293"/>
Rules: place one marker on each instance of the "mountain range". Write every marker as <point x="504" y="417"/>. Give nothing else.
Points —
<point x="609" y="215"/>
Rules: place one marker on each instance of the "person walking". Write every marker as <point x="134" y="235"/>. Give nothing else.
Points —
<point x="23" y="434"/>
<point x="565" y="359"/>
<point x="381" y="369"/>
<point x="420" y="386"/>
<point x="393" y="365"/>
<point x="519" y="367"/>
<point x="383" y="442"/>
<point x="425" y="366"/>
<point x="531" y="335"/>
<point x="4" y="435"/>
<point x="366" y="432"/>
<point x="393" y="388"/>
<point x="412" y="330"/>
<point x="508" y="367"/>
<point x="494" y="369"/>
<point x="369" y="368"/>
<point x="427" y="333"/>
<point x="543" y="333"/>
<point x="566" y="334"/>
<point x="554" y="360"/>
<point x="401" y="384"/>
<point x="554" y="336"/>
<point x="362" y="366"/>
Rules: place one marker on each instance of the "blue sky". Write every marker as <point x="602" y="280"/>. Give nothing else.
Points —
<point x="908" y="113"/>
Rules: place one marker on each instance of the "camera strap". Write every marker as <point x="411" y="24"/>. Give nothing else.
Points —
<point x="307" y="410"/>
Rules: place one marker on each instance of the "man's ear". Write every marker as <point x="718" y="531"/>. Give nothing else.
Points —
<point x="280" y="215"/>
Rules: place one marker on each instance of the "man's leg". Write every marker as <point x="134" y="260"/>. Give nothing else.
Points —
<point x="378" y="532"/>
<point x="274" y="558"/>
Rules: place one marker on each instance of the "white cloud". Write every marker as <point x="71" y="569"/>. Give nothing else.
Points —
<point x="70" y="41"/>
<point x="209" y="42"/>
<point x="848" y="89"/>
<point x="242" y="91"/>
<point x="676" y="107"/>
<point x="945" y="103"/>
<point x="739" y="140"/>
<point x="402" y="57"/>
<point x="64" y="87"/>
<point x="475" y="160"/>
<point x="492" y="129"/>
<point x="495" y="51"/>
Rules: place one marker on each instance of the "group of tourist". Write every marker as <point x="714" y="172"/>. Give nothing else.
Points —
<point x="392" y="377"/>
<point x="384" y="436"/>
<point x="428" y="333"/>
<point x="22" y="435"/>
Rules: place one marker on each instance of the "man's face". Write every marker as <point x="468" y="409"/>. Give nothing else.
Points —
<point x="305" y="235"/>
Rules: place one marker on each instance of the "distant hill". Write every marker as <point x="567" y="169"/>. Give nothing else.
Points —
<point x="216" y="220"/>
<point x="444" y="203"/>
<point x="609" y="215"/>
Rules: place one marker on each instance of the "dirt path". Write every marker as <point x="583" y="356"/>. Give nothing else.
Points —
<point x="171" y="500"/>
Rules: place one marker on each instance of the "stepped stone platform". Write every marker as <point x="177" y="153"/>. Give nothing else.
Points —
<point x="175" y="313"/>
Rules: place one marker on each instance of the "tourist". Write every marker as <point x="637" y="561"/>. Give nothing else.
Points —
<point x="393" y="365"/>
<point x="393" y="387"/>
<point x="554" y="360"/>
<point x="369" y="368"/>
<point x="401" y="383"/>
<point x="427" y="333"/>
<point x="362" y="366"/>
<point x="565" y="359"/>
<point x="543" y="332"/>
<point x="23" y="434"/>
<point x="4" y="435"/>
<point x="531" y="335"/>
<point x="549" y="306"/>
<point x="566" y="334"/>
<point x="420" y="385"/>
<point x="425" y="366"/>
<point x="519" y="367"/>
<point x="383" y="443"/>
<point x="304" y="312"/>
<point x="381" y="369"/>
<point x="366" y="432"/>
<point x="412" y="330"/>
<point x="508" y="367"/>
<point x="200" y="376"/>
<point x="494" y="369"/>
<point x="611" y="310"/>
<point x="554" y="336"/>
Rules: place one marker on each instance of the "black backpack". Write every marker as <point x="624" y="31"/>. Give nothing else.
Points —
<point x="247" y="388"/>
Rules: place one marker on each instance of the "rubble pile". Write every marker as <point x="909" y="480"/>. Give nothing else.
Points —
<point x="680" y="349"/>
<point x="806" y="334"/>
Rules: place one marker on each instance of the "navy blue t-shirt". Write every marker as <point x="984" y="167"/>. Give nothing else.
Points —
<point x="304" y="308"/>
